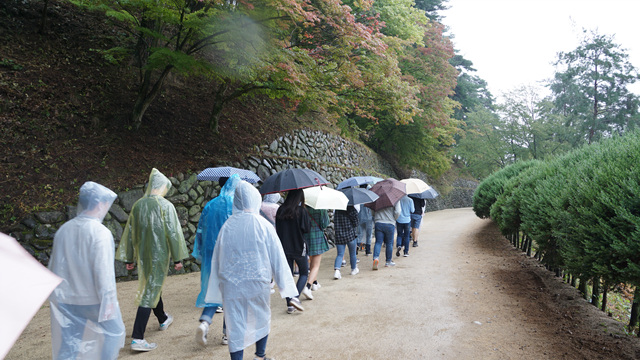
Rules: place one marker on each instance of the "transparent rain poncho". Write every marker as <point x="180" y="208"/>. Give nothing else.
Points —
<point x="247" y="256"/>
<point x="269" y="207"/>
<point x="85" y="315"/>
<point x="213" y="216"/>
<point x="151" y="238"/>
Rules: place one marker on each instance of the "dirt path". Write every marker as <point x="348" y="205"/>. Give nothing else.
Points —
<point x="465" y="293"/>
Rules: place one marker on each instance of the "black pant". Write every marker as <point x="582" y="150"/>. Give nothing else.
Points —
<point x="303" y="271"/>
<point x="142" y="318"/>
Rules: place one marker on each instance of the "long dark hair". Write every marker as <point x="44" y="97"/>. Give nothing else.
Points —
<point x="288" y="209"/>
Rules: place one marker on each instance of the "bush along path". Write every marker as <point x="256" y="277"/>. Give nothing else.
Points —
<point x="579" y="215"/>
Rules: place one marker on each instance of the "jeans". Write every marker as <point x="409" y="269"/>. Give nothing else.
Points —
<point x="207" y="315"/>
<point x="261" y="349"/>
<point x="73" y="332"/>
<point x="384" y="233"/>
<point x="303" y="268"/>
<point x="404" y="236"/>
<point x="415" y="221"/>
<point x="142" y="318"/>
<point x="365" y="230"/>
<point x="352" y="255"/>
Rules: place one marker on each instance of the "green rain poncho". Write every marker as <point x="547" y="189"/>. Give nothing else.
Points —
<point x="152" y="237"/>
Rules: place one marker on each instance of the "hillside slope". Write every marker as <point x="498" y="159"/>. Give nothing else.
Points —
<point x="64" y="111"/>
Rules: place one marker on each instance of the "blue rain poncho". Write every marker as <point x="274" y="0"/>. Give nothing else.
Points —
<point x="85" y="315"/>
<point x="213" y="216"/>
<point x="152" y="237"/>
<point x="247" y="256"/>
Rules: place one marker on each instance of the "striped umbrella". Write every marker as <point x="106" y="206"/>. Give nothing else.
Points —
<point x="214" y="174"/>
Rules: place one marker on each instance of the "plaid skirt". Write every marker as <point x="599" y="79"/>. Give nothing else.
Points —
<point x="317" y="243"/>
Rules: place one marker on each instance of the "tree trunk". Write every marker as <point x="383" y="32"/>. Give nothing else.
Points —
<point x="633" y="320"/>
<point x="573" y="280"/>
<point x="595" y="294"/>
<point x="529" y="245"/>
<point x="605" y="290"/>
<point x="219" y="102"/>
<point x="582" y="287"/>
<point x="146" y="94"/>
<point x="43" y="18"/>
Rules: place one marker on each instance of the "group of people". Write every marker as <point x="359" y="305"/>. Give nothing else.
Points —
<point x="245" y="244"/>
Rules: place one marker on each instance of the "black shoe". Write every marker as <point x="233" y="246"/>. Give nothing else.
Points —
<point x="398" y="252"/>
<point x="415" y="244"/>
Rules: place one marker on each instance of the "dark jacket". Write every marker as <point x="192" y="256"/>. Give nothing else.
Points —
<point x="346" y="223"/>
<point x="291" y="232"/>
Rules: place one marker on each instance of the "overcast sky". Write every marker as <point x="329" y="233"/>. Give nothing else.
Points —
<point x="513" y="42"/>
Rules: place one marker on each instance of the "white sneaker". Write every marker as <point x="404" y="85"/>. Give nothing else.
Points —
<point x="219" y="310"/>
<point x="307" y="293"/>
<point x="355" y="271"/>
<point x="165" y="325"/>
<point x="344" y="262"/>
<point x="201" y="333"/>
<point x="337" y="275"/>
<point x="142" y="345"/>
<point x="315" y="287"/>
<point x="295" y="302"/>
<point x="225" y="340"/>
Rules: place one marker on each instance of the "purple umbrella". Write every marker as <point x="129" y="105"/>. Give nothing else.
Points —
<point x="389" y="192"/>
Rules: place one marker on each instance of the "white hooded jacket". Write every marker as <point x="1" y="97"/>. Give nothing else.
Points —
<point x="248" y="253"/>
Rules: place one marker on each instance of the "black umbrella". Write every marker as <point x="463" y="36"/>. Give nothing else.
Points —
<point x="430" y="193"/>
<point x="359" y="195"/>
<point x="291" y="179"/>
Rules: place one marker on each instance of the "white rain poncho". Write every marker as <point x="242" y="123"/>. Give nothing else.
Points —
<point x="248" y="254"/>
<point x="152" y="236"/>
<point x="85" y="316"/>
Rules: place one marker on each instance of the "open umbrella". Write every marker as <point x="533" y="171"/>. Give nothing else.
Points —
<point x="214" y="174"/>
<point x="322" y="197"/>
<point x="430" y="193"/>
<point x="389" y="192"/>
<point x="291" y="179"/>
<point x="415" y="186"/>
<point x="359" y="196"/>
<point x="357" y="181"/>
<point x="25" y="285"/>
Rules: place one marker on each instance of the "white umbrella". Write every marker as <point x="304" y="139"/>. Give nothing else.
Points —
<point x="415" y="186"/>
<point x="322" y="197"/>
<point x="25" y="284"/>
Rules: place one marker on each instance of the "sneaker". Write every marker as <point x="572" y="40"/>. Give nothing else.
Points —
<point x="165" y="325"/>
<point x="201" y="333"/>
<point x="290" y="309"/>
<point x="337" y="275"/>
<point x="295" y="302"/>
<point x="415" y="244"/>
<point x="264" y="358"/>
<point x="315" y="286"/>
<point x="398" y="252"/>
<point x="355" y="271"/>
<point x="375" y="264"/>
<point x="357" y="261"/>
<point x="389" y="263"/>
<point x="406" y="255"/>
<point x="142" y="345"/>
<point x="225" y="340"/>
<point x="307" y="293"/>
<point x="219" y="310"/>
<point x="344" y="262"/>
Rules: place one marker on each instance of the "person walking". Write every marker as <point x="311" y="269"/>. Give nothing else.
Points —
<point x="152" y="237"/>
<point x="403" y="225"/>
<point x="213" y="216"/>
<point x="317" y="246"/>
<point x="416" y="219"/>
<point x="365" y="228"/>
<point x="269" y="207"/>
<point x="292" y="222"/>
<point x="346" y="223"/>
<point x="385" y="224"/>
<point x="83" y="256"/>
<point x="247" y="256"/>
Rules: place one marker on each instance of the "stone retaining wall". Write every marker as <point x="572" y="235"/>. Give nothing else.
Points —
<point x="333" y="157"/>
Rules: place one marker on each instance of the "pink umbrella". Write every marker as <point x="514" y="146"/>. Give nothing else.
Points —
<point x="389" y="191"/>
<point x="24" y="285"/>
